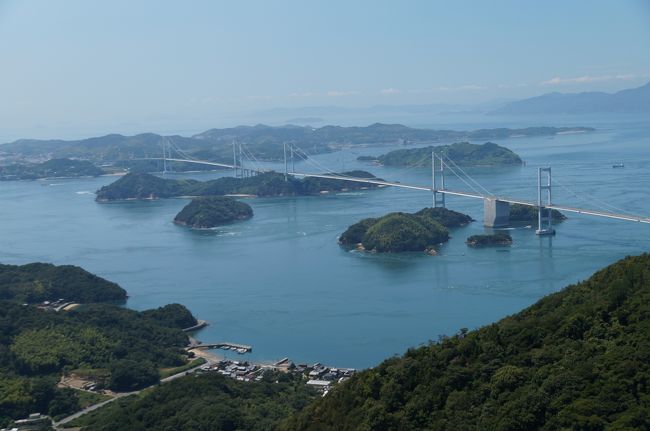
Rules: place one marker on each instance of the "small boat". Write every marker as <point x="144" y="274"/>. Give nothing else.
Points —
<point x="618" y="165"/>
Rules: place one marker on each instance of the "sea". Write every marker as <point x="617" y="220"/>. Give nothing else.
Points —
<point x="280" y="282"/>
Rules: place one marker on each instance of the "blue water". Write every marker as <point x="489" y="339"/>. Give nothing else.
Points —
<point x="281" y="283"/>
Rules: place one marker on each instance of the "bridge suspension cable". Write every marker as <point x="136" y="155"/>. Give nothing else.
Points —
<point x="468" y="176"/>
<point x="588" y="198"/>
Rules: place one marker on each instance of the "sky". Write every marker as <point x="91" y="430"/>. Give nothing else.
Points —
<point x="84" y="67"/>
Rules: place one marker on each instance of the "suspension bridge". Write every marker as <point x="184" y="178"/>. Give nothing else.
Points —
<point x="496" y="207"/>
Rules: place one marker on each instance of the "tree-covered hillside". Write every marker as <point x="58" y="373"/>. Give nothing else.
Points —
<point x="400" y="232"/>
<point x="36" y="282"/>
<point x="577" y="359"/>
<point x="211" y="211"/>
<point x="146" y="186"/>
<point x="118" y="348"/>
<point x="59" y="168"/>
<point x="206" y="402"/>
<point x="461" y="153"/>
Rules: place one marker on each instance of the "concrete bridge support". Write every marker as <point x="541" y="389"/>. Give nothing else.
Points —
<point x="496" y="213"/>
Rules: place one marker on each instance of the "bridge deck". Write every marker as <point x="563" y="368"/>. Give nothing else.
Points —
<point x="597" y="213"/>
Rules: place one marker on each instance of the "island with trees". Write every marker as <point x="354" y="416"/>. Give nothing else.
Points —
<point x="489" y="240"/>
<point x="53" y="168"/>
<point x="211" y="211"/>
<point x="262" y="141"/>
<point x="146" y="186"/>
<point x="404" y="232"/>
<point x="105" y="344"/>
<point x="460" y="153"/>
<point x="528" y="214"/>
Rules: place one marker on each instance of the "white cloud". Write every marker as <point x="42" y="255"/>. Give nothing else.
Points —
<point x="588" y="79"/>
<point x="390" y="91"/>
<point x="335" y="93"/>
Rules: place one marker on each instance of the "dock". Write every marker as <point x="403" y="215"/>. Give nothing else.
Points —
<point x="226" y="345"/>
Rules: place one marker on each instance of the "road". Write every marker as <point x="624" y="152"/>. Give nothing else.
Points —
<point x="58" y="425"/>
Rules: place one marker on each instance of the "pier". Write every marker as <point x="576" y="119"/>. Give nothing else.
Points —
<point x="240" y="348"/>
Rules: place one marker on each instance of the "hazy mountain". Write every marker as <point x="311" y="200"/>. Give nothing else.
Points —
<point x="633" y="100"/>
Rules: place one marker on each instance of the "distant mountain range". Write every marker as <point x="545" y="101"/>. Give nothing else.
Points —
<point x="633" y="100"/>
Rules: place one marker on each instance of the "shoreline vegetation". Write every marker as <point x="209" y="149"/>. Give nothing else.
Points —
<point x="142" y="186"/>
<point x="403" y="232"/>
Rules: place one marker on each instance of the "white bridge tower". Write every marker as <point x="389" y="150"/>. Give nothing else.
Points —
<point x="544" y="214"/>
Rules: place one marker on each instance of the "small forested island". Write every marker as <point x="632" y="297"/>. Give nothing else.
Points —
<point x="461" y="153"/>
<point x="495" y="239"/>
<point x="402" y="232"/>
<point x="146" y="186"/>
<point x="211" y="211"/>
<point x="54" y="168"/>
<point x="528" y="214"/>
<point x="101" y="343"/>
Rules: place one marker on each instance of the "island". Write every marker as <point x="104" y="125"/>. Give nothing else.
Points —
<point x="495" y="239"/>
<point x="264" y="143"/>
<point x="146" y="186"/>
<point x="403" y="232"/>
<point x="53" y="168"/>
<point x="211" y="211"/>
<point x="460" y="153"/>
<point x="528" y="214"/>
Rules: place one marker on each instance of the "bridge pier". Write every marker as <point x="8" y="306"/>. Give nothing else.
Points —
<point x="496" y="213"/>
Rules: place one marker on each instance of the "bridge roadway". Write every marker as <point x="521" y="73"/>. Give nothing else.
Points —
<point x="597" y="213"/>
<point x="198" y="162"/>
<point x="480" y="196"/>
